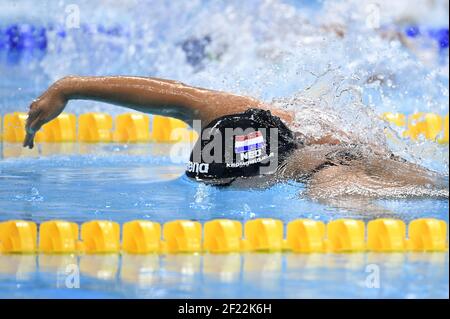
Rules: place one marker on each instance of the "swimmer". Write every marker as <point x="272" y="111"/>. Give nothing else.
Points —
<point x="267" y="148"/>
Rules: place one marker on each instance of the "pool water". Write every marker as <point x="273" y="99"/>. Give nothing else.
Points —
<point x="227" y="276"/>
<point x="267" y="49"/>
<point x="82" y="182"/>
<point x="126" y="182"/>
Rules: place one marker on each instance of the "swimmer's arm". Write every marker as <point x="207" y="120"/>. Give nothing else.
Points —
<point x="376" y="178"/>
<point x="149" y="95"/>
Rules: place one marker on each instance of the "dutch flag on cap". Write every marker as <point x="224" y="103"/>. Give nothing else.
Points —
<point x="249" y="142"/>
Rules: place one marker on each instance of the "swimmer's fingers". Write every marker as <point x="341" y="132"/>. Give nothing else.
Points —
<point x="36" y="119"/>
<point x="34" y="122"/>
<point x="47" y="107"/>
<point x="29" y="141"/>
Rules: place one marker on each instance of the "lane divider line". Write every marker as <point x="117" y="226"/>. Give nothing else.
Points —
<point x="223" y="236"/>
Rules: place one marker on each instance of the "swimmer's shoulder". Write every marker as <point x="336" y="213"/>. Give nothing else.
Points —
<point x="309" y="159"/>
<point x="306" y="160"/>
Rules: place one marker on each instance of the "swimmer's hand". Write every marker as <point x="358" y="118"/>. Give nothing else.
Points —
<point x="47" y="107"/>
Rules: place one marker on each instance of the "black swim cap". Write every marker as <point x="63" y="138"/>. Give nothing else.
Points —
<point x="249" y="144"/>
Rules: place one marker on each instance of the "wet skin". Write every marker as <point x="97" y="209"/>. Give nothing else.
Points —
<point x="330" y="167"/>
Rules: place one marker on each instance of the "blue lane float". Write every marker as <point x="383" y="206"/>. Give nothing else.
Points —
<point x="440" y="35"/>
<point x="24" y="37"/>
<point x="18" y="38"/>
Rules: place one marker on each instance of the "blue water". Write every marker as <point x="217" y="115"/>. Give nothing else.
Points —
<point x="267" y="50"/>
<point x="122" y="183"/>
<point x="227" y="276"/>
<point x="141" y="181"/>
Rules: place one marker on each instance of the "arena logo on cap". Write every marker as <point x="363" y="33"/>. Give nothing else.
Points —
<point x="198" y="168"/>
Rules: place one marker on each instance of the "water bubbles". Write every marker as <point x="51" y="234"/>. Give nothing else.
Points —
<point x="32" y="196"/>
<point x="247" y="212"/>
<point x="202" y="197"/>
<point x="323" y="63"/>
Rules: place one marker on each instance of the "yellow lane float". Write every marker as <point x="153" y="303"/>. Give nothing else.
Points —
<point x="224" y="236"/>
<point x="95" y="128"/>
<point x="137" y="127"/>
<point x="132" y="127"/>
